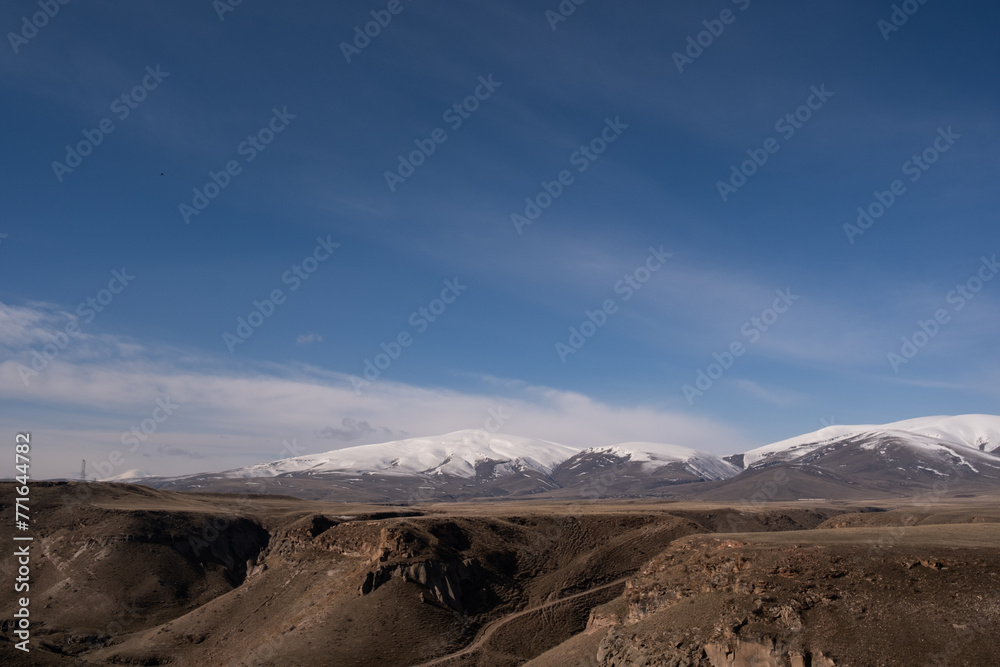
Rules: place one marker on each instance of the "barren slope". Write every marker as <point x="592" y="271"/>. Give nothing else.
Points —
<point x="130" y="575"/>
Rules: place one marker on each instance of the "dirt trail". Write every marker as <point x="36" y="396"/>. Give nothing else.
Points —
<point x="491" y="628"/>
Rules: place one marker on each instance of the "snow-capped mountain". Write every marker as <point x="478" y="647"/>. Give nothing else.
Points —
<point x="471" y="454"/>
<point x="467" y="464"/>
<point x="916" y="457"/>
<point x="959" y="454"/>
<point x="459" y="454"/>
<point x="637" y="469"/>
<point x="976" y="432"/>
<point x="654" y="455"/>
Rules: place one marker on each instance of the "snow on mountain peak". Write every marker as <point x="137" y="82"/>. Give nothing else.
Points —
<point x="459" y="454"/>
<point x="975" y="432"/>
<point x="455" y="454"/>
<point x="655" y="455"/>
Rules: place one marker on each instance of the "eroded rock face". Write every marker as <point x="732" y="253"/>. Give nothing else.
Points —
<point x="744" y="654"/>
<point x="429" y="555"/>
<point x="753" y="654"/>
<point x="454" y="584"/>
<point x="237" y="546"/>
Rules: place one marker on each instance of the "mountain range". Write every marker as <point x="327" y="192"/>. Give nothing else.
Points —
<point x="956" y="455"/>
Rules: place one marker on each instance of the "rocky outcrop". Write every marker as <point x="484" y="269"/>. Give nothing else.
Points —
<point x="716" y="601"/>
<point x="623" y="649"/>
<point x="753" y="654"/>
<point x="749" y="625"/>
<point x="453" y="584"/>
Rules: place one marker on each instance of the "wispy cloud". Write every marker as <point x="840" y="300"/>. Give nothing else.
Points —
<point x="236" y="415"/>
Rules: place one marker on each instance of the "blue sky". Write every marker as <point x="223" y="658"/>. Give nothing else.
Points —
<point x="210" y="87"/>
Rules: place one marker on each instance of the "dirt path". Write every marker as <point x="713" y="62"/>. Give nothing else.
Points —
<point x="491" y="628"/>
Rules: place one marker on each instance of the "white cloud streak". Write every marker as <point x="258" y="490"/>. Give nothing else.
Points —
<point x="237" y="415"/>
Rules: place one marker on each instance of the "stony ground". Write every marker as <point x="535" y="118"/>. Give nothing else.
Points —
<point x="130" y="575"/>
